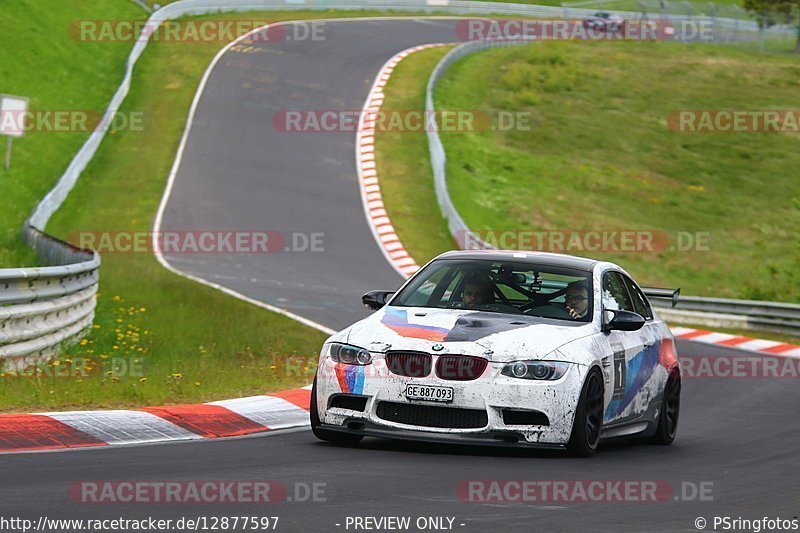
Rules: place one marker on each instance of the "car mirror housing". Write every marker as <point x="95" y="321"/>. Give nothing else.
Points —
<point x="376" y="299"/>
<point x="622" y="320"/>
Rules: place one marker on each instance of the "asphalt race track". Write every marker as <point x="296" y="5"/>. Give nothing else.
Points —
<point x="238" y="172"/>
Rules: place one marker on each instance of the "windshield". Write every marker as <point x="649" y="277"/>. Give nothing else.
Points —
<point x="520" y="288"/>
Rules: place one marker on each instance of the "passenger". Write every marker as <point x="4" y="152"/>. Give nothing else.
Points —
<point x="576" y="301"/>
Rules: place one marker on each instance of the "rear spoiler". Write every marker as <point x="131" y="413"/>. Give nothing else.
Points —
<point x="667" y="294"/>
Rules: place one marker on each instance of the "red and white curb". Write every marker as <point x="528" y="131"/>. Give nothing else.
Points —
<point x="227" y="418"/>
<point x="377" y="217"/>
<point x="762" y="346"/>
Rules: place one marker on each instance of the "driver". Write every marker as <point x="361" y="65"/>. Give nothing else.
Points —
<point x="476" y="292"/>
<point x="576" y="300"/>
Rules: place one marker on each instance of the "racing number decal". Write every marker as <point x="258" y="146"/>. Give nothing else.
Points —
<point x="619" y="373"/>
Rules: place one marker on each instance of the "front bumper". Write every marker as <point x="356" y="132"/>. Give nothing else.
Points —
<point x="492" y="438"/>
<point x="488" y="396"/>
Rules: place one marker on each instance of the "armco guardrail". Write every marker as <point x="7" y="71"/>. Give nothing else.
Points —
<point x="713" y="312"/>
<point x="464" y="237"/>
<point x="42" y="307"/>
<point x="778" y="317"/>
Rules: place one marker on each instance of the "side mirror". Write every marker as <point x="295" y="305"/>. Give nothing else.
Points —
<point x="622" y="320"/>
<point x="376" y="299"/>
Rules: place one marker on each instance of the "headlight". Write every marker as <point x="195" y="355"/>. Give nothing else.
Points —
<point x="539" y="370"/>
<point x="349" y="355"/>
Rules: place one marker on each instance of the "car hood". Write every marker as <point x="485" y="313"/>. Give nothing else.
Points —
<point x="496" y="336"/>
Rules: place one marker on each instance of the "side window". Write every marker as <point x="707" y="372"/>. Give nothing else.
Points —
<point x="639" y="301"/>
<point x="615" y="295"/>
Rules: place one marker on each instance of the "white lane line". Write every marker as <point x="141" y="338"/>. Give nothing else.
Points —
<point x="171" y="182"/>
<point x="405" y="272"/>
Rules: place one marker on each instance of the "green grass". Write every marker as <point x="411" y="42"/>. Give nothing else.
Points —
<point x="403" y="163"/>
<point x="56" y="72"/>
<point x="600" y="156"/>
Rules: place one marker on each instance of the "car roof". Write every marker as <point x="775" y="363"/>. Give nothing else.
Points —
<point x="538" y="258"/>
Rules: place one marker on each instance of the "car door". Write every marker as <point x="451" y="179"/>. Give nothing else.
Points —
<point x="653" y="333"/>
<point x="651" y="330"/>
<point x="628" y="348"/>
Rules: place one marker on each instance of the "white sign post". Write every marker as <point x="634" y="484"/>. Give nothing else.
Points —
<point x="13" y="110"/>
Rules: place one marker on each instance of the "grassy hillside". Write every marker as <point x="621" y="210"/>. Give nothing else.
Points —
<point x="40" y="59"/>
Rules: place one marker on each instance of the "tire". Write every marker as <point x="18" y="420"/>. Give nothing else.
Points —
<point x="334" y="437"/>
<point x="588" y="422"/>
<point x="670" y="411"/>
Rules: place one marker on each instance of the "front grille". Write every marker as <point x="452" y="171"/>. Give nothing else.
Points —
<point x="432" y="416"/>
<point x="356" y="402"/>
<point x="524" y="417"/>
<point x="411" y="364"/>
<point x="459" y="367"/>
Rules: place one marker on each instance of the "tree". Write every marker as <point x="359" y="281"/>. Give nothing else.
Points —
<point x="771" y="12"/>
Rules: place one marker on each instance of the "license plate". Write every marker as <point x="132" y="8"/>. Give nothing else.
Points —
<point x="429" y="394"/>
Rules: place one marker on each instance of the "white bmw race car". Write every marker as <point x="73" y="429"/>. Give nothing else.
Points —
<point x="503" y="348"/>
